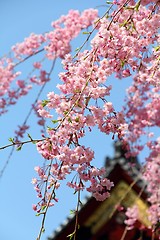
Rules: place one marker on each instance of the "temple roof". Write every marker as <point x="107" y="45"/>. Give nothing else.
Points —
<point x="117" y="168"/>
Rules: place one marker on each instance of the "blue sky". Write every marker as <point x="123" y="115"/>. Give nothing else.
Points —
<point x="17" y="20"/>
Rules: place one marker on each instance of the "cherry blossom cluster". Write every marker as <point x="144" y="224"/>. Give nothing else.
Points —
<point x="53" y="44"/>
<point x="132" y="216"/>
<point x="37" y="106"/>
<point x="126" y="44"/>
<point x="152" y="176"/>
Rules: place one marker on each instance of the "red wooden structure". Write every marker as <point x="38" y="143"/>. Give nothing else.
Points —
<point x="103" y="220"/>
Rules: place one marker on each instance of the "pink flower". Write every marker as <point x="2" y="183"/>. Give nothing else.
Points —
<point x="21" y="83"/>
<point x="34" y="207"/>
<point x="37" y="65"/>
<point x="132" y="216"/>
<point x="43" y="113"/>
<point x="34" y="181"/>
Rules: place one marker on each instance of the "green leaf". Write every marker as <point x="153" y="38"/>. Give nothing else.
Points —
<point x="77" y="119"/>
<point x="69" y="120"/>
<point x="71" y="235"/>
<point x="30" y="136"/>
<point x="78" y="105"/>
<point x="137" y="6"/>
<point x="50" y="148"/>
<point x="77" y="91"/>
<point x="43" y="207"/>
<point x="45" y="102"/>
<point x="65" y="112"/>
<point x="157" y="48"/>
<point x="11" y="140"/>
<point x="19" y="148"/>
<point x="38" y="214"/>
<point x="72" y="211"/>
<point x="106" y="16"/>
<point x="86" y="32"/>
<point x="123" y="63"/>
<point x="49" y="128"/>
<point x="55" y="121"/>
<point x="77" y="49"/>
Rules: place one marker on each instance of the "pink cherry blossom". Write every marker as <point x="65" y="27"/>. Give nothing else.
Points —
<point x="124" y="43"/>
<point x="132" y="216"/>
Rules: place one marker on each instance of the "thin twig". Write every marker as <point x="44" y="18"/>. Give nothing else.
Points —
<point x="77" y="212"/>
<point x="27" y="117"/>
<point x="6" y="163"/>
<point x="126" y="228"/>
<point x="153" y="235"/>
<point x="26" y="58"/>
<point x="42" y="228"/>
<point x="22" y="143"/>
<point x="90" y="33"/>
<point x="41" y="90"/>
<point x="117" y="13"/>
<point x="124" y="233"/>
